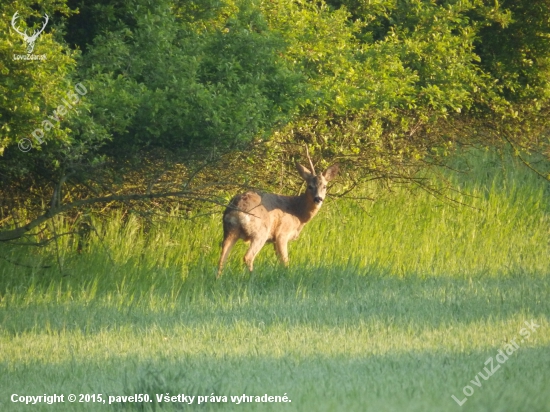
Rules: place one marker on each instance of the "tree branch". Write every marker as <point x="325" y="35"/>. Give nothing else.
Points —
<point x="19" y="232"/>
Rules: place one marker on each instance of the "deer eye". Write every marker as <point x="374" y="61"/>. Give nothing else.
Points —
<point x="311" y="187"/>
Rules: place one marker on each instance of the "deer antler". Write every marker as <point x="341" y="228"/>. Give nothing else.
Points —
<point x="37" y="33"/>
<point x="310" y="162"/>
<point x="13" y="19"/>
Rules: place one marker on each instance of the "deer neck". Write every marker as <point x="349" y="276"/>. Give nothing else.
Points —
<point x="306" y="208"/>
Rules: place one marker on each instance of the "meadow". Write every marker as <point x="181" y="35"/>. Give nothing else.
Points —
<point x="394" y="304"/>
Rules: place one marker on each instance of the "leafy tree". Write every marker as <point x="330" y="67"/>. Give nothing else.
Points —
<point x="36" y="109"/>
<point x="199" y="90"/>
<point x="398" y="82"/>
<point x="161" y="82"/>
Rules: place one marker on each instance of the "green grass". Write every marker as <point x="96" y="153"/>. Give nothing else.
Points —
<point x="393" y="305"/>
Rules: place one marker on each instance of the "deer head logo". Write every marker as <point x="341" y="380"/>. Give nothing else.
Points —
<point x="30" y="40"/>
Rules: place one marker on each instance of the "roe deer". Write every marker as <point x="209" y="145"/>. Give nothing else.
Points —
<point x="266" y="217"/>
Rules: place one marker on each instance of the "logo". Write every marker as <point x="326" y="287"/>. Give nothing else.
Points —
<point x="30" y="40"/>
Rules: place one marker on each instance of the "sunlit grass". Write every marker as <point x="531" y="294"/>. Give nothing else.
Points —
<point x="391" y="305"/>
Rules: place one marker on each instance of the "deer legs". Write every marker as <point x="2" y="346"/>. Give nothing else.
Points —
<point x="227" y="245"/>
<point x="255" y="246"/>
<point x="282" y="250"/>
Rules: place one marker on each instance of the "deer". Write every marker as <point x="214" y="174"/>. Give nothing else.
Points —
<point x="30" y="40"/>
<point x="260" y="218"/>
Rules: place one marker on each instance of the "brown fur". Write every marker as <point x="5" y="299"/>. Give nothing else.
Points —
<point x="265" y="217"/>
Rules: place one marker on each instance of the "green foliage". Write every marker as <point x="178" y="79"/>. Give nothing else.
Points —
<point x="517" y="51"/>
<point x="164" y="83"/>
<point x="33" y="90"/>
<point x="397" y="82"/>
<point x="385" y="86"/>
<point x="30" y="90"/>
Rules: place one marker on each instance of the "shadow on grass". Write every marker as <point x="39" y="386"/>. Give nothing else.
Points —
<point x="300" y="296"/>
<point x="413" y="381"/>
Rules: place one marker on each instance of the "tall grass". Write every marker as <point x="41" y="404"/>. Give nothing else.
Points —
<point x="387" y="305"/>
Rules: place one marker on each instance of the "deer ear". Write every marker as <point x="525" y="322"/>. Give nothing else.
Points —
<point x="331" y="172"/>
<point x="305" y="173"/>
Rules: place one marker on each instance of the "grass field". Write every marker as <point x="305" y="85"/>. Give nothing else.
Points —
<point x="392" y="305"/>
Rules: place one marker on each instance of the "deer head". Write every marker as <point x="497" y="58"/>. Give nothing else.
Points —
<point x="30" y="40"/>
<point x="316" y="184"/>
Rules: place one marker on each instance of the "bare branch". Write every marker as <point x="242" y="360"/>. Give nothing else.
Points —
<point x="23" y="265"/>
<point x="54" y="211"/>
